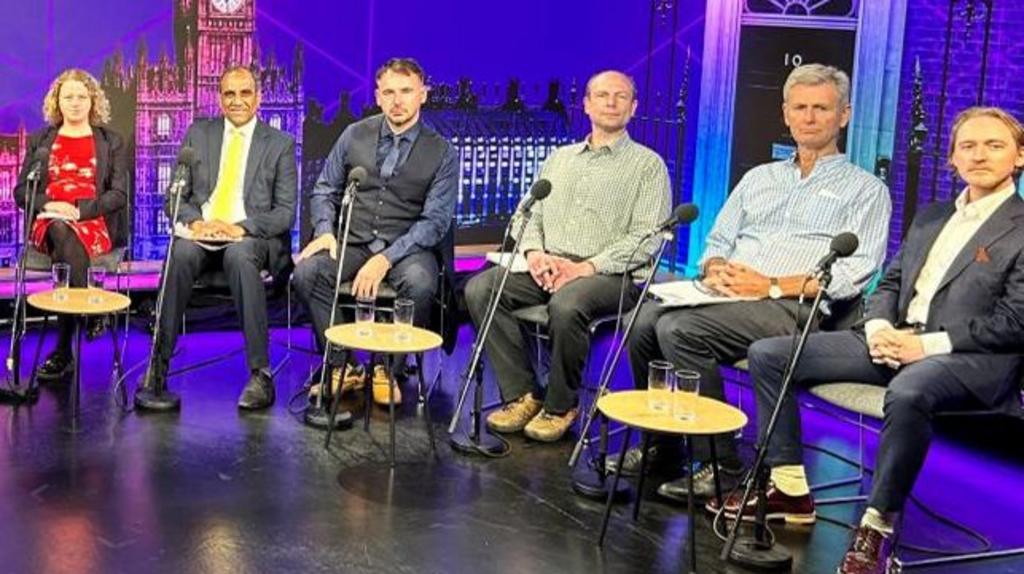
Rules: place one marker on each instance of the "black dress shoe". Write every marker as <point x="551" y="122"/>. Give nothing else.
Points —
<point x="95" y="327"/>
<point x="703" y="484"/>
<point x="663" y="457"/>
<point x="258" y="392"/>
<point x="56" y="366"/>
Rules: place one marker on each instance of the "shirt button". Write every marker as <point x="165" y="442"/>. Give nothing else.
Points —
<point x="380" y="203"/>
<point x="375" y="232"/>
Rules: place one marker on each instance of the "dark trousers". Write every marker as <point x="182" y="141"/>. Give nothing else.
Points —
<point x="63" y="246"/>
<point x="703" y="338"/>
<point x="914" y="394"/>
<point x="414" y="277"/>
<point x="570" y="311"/>
<point x="241" y="263"/>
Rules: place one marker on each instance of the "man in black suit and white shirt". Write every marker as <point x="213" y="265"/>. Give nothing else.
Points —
<point x="242" y="189"/>
<point x="944" y="331"/>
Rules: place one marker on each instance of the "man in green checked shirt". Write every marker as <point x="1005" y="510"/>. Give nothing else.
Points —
<point x="608" y="193"/>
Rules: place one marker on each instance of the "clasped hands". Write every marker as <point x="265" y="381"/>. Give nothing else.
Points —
<point x="895" y="347"/>
<point x="551" y="272"/>
<point x="367" y="281"/>
<point x="62" y="208"/>
<point x="215" y="230"/>
<point x="734" y="279"/>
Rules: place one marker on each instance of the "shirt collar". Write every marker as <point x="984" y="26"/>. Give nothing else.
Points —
<point x="985" y="206"/>
<point x="613" y="148"/>
<point x="835" y="158"/>
<point x="245" y="129"/>
<point x="409" y="135"/>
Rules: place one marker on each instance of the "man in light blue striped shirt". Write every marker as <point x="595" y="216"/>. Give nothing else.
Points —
<point x="778" y="222"/>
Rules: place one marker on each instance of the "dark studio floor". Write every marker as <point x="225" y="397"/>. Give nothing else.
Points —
<point x="215" y="490"/>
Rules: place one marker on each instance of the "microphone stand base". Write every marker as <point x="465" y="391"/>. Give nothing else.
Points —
<point x="484" y="444"/>
<point x="13" y="397"/>
<point x="755" y="555"/>
<point x="157" y="401"/>
<point x="319" y="417"/>
<point x="591" y="484"/>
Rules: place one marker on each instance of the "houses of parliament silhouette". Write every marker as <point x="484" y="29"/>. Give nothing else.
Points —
<point x="501" y="141"/>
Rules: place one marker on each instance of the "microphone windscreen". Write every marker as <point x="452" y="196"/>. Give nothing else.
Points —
<point x="41" y="155"/>
<point x="357" y="175"/>
<point x="686" y="213"/>
<point x="844" y="244"/>
<point x="540" y="189"/>
<point x="186" y="156"/>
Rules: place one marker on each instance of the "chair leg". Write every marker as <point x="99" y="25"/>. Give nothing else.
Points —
<point x="858" y="479"/>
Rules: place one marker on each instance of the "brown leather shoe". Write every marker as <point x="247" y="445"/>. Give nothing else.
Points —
<point x="781" y="506"/>
<point x="354" y="379"/>
<point x="514" y="415"/>
<point x="868" y="553"/>
<point x="548" y="427"/>
<point x="381" y="396"/>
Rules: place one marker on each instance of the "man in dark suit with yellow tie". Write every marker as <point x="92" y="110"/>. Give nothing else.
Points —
<point x="241" y="192"/>
<point x="944" y="331"/>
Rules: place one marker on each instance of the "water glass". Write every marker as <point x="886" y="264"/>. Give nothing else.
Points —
<point x="684" y="400"/>
<point x="403" y="318"/>
<point x="97" y="278"/>
<point x="365" y="313"/>
<point x="61" y="274"/>
<point x="659" y="386"/>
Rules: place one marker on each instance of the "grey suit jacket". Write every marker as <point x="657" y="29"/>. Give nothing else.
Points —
<point x="979" y="302"/>
<point x="270" y="186"/>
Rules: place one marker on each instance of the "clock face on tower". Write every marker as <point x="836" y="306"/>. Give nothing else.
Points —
<point x="226" y="6"/>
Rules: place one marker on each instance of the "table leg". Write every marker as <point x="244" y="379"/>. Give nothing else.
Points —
<point x="335" y="398"/>
<point x="615" y="484"/>
<point x="391" y="405"/>
<point x="76" y="381"/>
<point x="714" y="465"/>
<point x="368" y="392"/>
<point x="646" y="442"/>
<point x="424" y="402"/>
<point x="120" y="390"/>
<point x="689" y="505"/>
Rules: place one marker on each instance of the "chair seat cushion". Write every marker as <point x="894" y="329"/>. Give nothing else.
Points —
<point x="860" y="398"/>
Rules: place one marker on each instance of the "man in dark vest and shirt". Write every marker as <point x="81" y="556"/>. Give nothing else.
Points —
<point x="402" y="210"/>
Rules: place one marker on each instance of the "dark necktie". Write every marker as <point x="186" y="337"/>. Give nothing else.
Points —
<point x="387" y="169"/>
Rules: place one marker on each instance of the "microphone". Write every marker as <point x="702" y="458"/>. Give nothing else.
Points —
<point x="683" y="214"/>
<point x="356" y="177"/>
<point x="40" y="160"/>
<point x="186" y="158"/>
<point x="540" y="189"/>
<point x="843" y="245"/>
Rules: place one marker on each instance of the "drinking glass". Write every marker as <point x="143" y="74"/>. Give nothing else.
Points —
<point x="403" y="318"/>
<point x="365" y="312"/>
<point x="61" y="274"/>
<point x="684" y="400"/>
<point x="659" y="386"/>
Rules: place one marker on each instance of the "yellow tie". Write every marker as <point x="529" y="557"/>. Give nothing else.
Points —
<point x="223" y="200"/>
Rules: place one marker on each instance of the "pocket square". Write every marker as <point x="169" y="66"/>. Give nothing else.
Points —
<point x="981" y="255"/>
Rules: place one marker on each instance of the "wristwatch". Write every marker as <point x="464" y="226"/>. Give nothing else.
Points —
<point x="774" y="289"/>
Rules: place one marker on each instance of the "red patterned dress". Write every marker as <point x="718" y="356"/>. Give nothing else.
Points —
<point x="72" y="177"/>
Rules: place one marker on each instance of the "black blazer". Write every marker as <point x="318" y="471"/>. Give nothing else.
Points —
<point x="270" y="186"/>
<point x="111" y="180"/>
<point x="979" y="302"/>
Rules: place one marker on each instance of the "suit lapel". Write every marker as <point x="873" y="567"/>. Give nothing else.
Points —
<point x="999" y="223"/>
<point x="215" y="137"/>
<point x="256" y="150"/>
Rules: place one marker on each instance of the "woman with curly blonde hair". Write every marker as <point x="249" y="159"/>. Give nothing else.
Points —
<point x="81" y="191"/>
